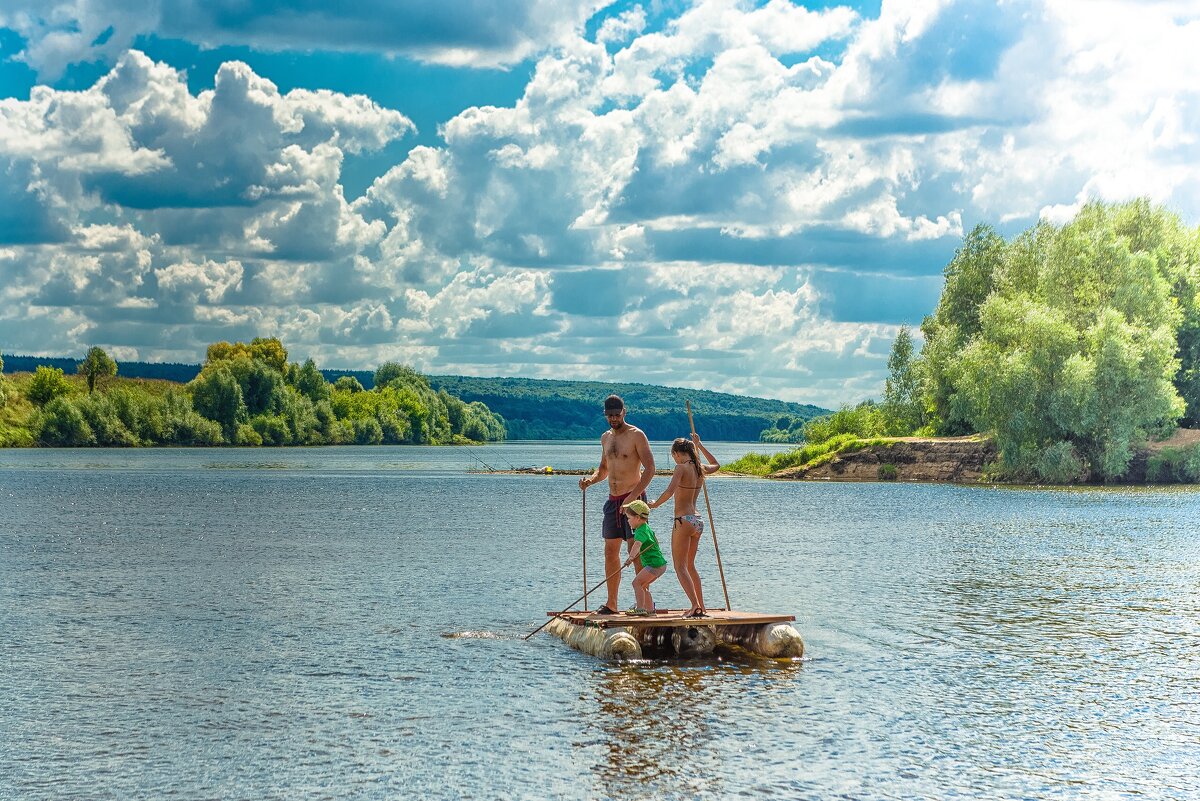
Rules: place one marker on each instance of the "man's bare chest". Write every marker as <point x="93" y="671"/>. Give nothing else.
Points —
<point x="620" y="449"/>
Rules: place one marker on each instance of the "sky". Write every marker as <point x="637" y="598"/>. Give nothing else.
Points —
<point x="748" y="197"/>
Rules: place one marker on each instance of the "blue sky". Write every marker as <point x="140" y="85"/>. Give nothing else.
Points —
<point x="743" y="196"/>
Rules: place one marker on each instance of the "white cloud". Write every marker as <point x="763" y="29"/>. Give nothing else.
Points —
<point x="188" y="283"/>
<point x="623" y="26"/>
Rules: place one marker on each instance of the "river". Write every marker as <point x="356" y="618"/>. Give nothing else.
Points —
<point x="346" y="623"/>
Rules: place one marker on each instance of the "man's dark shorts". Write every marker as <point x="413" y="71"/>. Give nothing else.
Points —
<point x="616" y="524"/>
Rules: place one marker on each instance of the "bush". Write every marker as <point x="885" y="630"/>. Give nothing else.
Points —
<point x="273" y="429"/>
<point x="1057" y="464"/>
<point x="177" y="423"/>
<point x="61" y="424"/>
<point x="246" y="436"/>
<point x="809" y="455"/>
<point x="367" y="432"/>
<point x="47" y="384"/>
<point x="864" y="420"/>
<point x="888" y="472"/>
<point x="1180" y="465"/>
<point x="101" y="416"/>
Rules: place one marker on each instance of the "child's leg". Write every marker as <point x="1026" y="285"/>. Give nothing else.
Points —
<point x="641" y="586"/>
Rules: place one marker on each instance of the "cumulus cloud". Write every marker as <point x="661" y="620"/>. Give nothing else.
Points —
<point x="763" y="192"/>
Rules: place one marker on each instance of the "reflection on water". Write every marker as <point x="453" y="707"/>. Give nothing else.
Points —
<point x="657" y="724"/>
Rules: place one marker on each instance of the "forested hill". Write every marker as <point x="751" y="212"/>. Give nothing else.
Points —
<point x="548" y="409"/>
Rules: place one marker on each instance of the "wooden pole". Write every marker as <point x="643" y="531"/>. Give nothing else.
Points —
<point x="708" y="506"/>
<point x="585" y="606"/>
<point x="577" y="600"/>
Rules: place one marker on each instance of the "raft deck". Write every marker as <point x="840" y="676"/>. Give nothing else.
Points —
<point x="671" y="618"/>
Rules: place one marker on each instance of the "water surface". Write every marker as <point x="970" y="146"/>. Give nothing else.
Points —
<point x="346" y="623"/>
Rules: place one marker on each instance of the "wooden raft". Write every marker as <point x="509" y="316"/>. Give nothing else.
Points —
<point x="671" y="618"/>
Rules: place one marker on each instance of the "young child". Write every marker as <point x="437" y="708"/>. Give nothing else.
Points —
<point x="645" y="547"/>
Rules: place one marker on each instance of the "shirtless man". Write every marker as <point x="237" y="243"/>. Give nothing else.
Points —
<point x="626" y="461"/>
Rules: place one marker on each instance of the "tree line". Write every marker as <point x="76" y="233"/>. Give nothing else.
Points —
<point x="246" y="393"/>
<point x="1071" y="345"/>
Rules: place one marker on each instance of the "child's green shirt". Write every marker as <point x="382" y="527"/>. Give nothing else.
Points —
<point x="648" y="550"/>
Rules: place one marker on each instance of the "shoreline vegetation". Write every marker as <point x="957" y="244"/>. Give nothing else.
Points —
<point x="1067" y="355"/>
<point x="246" y="394"/>
<point x="529" y="409"/>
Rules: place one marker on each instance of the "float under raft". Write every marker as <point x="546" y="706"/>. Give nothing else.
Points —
<point x="670" y="633"/>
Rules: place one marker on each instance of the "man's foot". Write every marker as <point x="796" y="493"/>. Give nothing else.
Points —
<point x="697" y="613"/>
<point x="606" y="610"/>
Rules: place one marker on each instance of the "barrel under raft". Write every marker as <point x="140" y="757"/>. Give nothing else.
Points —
<point x="674" y="635"/>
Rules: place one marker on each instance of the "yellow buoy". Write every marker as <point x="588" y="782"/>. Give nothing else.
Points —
<point x="548" y="469"/>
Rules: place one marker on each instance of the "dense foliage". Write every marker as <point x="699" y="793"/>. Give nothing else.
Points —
<point x="1066" y="342"/>
<point x="244" y="394"/>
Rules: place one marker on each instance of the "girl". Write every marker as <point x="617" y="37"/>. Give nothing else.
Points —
<point x="685" y="535"/>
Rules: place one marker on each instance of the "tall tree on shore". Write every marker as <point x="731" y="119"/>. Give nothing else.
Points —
<point x="95" y="364"/>
<point x="1070" y="357"/>
<point x="902" y="409"/>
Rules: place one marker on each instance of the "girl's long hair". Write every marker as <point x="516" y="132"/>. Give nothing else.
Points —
<point x="683" y="445"/>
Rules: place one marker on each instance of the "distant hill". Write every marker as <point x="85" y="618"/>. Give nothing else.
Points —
<point x="547" y="409"/>
<point x="167" y="371"/>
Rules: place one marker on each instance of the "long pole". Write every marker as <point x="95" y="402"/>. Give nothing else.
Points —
<point x="585" y="606"/>
<point x="577" y="600"/>
<point x="708" y="506"/>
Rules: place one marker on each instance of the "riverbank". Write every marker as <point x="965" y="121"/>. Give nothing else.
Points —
<point x="956" y="460"/>
<point x="969" y="459"/>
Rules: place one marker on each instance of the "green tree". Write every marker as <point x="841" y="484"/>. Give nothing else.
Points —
<point x="902" y="410"/>
<point x="95" y="364"/>
<point x="310" y="383"/>
<point x="1070" y="358"/>
<point x="264" y="390"/>
<point x="217" y="396"/>
<point x="47" y="384"/>
<point x="268" y="350"/>
<point x="388" y="372"/>
<point x="970" y="278"/>
<point x="348" y="383"/>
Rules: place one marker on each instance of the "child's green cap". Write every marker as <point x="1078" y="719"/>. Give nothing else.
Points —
<point x="638" y="507"/>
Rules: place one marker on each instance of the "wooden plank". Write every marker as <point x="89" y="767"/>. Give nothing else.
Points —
<point x="673" y="618"/>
